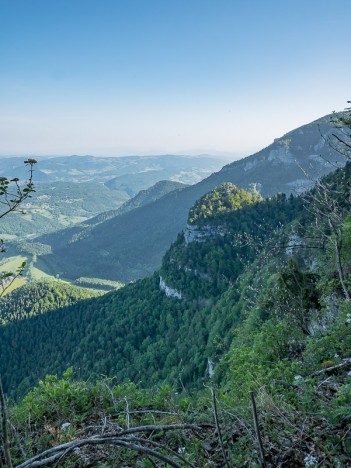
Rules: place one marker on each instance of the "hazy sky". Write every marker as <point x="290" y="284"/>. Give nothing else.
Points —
<point x="113" y="77"/>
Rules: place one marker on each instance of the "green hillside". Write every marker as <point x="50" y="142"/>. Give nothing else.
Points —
<point x="142" y="198"/>
<point x="217" y="264"/>
<point x="221" y="200"/>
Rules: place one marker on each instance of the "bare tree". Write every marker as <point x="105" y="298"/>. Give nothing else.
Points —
<point x="12" y="194"/>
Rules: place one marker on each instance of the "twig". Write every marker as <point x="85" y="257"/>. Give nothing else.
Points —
<point x="166" y="427"/>
<point x="218" y="427"/>
<point x="257" y="429"/>
<point x="127" y="413"/>
<point x="172" y="413"/>
<point x="5" y="436"/>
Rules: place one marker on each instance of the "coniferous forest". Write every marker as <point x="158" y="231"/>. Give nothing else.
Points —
<point x="234" y="352"/>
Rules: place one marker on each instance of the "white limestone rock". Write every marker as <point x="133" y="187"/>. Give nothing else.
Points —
<point x="170" y="292"/>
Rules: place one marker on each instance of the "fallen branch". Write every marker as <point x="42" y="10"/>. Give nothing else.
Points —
<point x="98" y="441"/>
<point x="117" y="439"/>
<point x="149" y="412"/>
<point x="346" y="362"/>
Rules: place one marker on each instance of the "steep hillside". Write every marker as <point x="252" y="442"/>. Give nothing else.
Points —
<point x="132" y="245"/>
<point x="79" y="231"/>
<point x="142" y="198"/>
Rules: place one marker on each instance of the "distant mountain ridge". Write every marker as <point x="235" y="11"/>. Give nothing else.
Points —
<point x="149" y="169"/>
<point x="131" y="245"/>
<point x="144" y="197"/>
<point x="71" y="189"/>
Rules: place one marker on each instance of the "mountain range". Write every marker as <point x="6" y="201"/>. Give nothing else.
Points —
<point x="72" y="189"/>
<point x="131" y="245"/>
<point x="118" y="171"/>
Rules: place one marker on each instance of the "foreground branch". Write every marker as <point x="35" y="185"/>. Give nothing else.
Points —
<point x="257" y="429"/>
<point x="60" y="451"/>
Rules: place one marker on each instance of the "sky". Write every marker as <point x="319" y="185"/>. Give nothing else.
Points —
<point x="123" y="77"/>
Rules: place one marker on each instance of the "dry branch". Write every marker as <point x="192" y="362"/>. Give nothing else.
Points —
<point x="117" y="439"/>
<point x="346" y="362"/>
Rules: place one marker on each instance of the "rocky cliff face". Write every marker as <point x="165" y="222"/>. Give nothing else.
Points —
<point x="194" y="233"/>
<point x="170" y="292"/>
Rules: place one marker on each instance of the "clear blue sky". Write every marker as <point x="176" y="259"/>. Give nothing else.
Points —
<point x="152" y="76"/>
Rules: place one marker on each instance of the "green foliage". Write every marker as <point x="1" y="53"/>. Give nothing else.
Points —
<point x="59" y="409"/>
<point x="332" y="342"/>
<point x="105" y="335"/>
<point x="223" y="199"/>
<point x="208" y="266"/>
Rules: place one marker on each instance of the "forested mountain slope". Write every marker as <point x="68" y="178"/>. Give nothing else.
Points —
<point x="251" y="301"/>
<point x="132" y="245"/>
<point x="143" y="331"/>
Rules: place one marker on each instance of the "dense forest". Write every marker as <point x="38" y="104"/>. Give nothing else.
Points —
<point x="39" y="297"/>
<point x="140" y="324"/>
<point x="236" y="352"/>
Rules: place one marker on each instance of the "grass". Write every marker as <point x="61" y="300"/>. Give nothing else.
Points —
<point x="12" y="263"/>
<point x="37" y="274"/>
<point x="8" y="236"/>
<point x="16" y="284"/>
